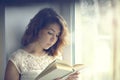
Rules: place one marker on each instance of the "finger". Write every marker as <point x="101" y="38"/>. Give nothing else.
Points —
<point x="73" y="76"/>
<point x="77" y="72"/>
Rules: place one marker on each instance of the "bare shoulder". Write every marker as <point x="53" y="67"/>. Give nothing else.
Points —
<point x="11" y="72"/>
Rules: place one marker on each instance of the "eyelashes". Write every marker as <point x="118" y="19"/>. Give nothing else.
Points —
<point x="50" y="33"/>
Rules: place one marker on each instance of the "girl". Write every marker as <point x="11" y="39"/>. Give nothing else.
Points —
<point x="42" y="42"/>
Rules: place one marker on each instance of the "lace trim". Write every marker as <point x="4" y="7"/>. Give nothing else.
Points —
<point x="15" y="65"/>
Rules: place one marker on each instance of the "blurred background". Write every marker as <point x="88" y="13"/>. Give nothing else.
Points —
<point x="97" y="38"/>
<point x="94" y="27"/>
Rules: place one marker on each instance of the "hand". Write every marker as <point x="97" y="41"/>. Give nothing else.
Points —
<point x="73" y="76"/>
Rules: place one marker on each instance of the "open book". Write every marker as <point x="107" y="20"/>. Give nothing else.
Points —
<point x="58" y="69"/>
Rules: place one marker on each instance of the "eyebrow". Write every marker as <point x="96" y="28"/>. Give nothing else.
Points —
<point x="54" y="30"/>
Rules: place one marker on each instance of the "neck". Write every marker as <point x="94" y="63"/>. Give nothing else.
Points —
<point x="35" y="49"/>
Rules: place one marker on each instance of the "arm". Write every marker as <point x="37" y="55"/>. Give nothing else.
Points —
<point x="11" y="72"/>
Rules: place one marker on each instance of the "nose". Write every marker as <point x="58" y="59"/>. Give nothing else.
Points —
<point x="53" y="39"/>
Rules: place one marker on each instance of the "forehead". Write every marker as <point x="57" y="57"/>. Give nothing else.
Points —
<point x="54" y="27"/>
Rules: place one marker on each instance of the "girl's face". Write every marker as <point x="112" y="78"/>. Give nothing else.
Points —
<point x="49" y="36"/>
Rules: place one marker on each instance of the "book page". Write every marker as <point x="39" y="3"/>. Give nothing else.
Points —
<point x="78" y="67"/>
<point x="57" y="65"/>
<point x="59" y="68"/>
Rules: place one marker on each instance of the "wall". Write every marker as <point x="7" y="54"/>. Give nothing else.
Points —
<point x="2" y="57"/>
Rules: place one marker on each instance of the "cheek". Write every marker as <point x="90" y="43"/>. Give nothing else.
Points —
<point x="55" y="40"/>
<point x="43" y="38"/>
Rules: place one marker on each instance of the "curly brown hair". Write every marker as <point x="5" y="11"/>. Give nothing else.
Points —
<point x="40" y="21"/>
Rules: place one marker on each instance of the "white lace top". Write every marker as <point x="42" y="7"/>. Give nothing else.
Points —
<point x="29" y="65"/>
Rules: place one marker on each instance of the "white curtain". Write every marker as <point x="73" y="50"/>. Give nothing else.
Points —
<point x="97" y="38"/>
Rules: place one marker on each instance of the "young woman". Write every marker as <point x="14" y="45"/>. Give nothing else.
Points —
<point x="42" y="42"/>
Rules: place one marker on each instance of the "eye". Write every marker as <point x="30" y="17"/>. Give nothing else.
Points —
<point x="50" y="33"/>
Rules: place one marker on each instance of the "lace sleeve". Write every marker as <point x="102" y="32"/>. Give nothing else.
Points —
<point x="15" y="58"/>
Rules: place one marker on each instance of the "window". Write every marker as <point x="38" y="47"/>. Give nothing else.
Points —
<point x="96" y="39"/>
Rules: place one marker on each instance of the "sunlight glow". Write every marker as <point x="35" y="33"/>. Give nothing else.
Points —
<point x="94" y="40"/>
